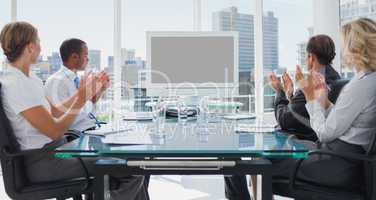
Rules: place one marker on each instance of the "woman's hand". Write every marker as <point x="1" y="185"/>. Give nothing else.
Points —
<point x="274" y="83"/>
<point x="288" y="85"/>
<point x="321" y="89"/>
<point x="305" y="84"/>
<point x="314" y="87"/>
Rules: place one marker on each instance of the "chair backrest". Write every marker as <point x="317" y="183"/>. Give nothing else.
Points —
<point x="336" y="88"/>
<point x="14" y="174"/>
<point x="370" y="169"/>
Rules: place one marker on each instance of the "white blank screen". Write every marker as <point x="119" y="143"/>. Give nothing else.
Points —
<point x="193" y="59"/>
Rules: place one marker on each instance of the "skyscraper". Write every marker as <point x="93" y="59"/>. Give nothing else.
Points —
<point x="230" y="19"/>
<point x="353" y="9"/>
<point x="302" y="50"/>
<point x="94" y="60"/>
<point x="110" y="61"/>
<point x="270" y="37"/>
<point x="55" y="62"/>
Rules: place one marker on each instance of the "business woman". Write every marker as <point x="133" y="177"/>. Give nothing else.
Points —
<point x="38" y="123"/>
<point x="347" y="125"/>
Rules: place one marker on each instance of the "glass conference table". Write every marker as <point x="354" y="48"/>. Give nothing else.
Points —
<point x="188" y="149"/>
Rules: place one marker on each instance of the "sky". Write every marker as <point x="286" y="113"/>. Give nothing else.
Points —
<point x="92" y="21"/>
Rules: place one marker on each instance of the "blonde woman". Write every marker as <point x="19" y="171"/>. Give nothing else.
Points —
<point x="346" y="126"/>
<point x="38" y="123"/>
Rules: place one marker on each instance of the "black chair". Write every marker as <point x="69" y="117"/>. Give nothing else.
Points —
<point x="17" y="185"/>
<point x="301" y="190"/>
<point x="336" y="89"/>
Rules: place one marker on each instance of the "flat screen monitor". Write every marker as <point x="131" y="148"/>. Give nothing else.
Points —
<point x="191" y="61"/>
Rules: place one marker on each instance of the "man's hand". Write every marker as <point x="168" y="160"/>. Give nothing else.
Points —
<point x="89" y="87"/>
<point x="274" y="83"/>
<point x="104" y="79"/>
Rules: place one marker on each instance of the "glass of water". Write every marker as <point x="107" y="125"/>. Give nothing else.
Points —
<point x="182" y="112"/>
<point x="159" y="116"/>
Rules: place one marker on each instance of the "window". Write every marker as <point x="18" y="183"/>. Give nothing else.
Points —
<point x="237" y="16"/>
<point x="60" y="20"/>
<point x="285" y="38"/>
<point x="137" y="21"/>
<point x="351" y="10"/>
<point x="89" y="20"/>
<point x="4" y="19"/>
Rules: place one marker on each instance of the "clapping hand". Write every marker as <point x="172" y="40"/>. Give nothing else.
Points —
<point x="313" y="87"/>
<point x="89" y="87"/>
<point x="104" y="79"/>
<point x="288" y="85"/>
<point x="274" y="83"/>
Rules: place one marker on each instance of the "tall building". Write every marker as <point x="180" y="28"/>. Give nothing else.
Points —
<point x="94" y="60"/>
<point x="230" y="19"/>
<point x="128" y="56"/>
<point x="302" y="50"/>
<point x="270" y="38"/>
<point x="131" y="76"/>
<point x="110" y="61"/>
<point x="55" y="62"/>
<point x="353" y="9"/>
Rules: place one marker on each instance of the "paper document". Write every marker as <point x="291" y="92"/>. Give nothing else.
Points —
<point x="239" y="117"/>
<point x="135" y="116"/>
<point x="255" y="128"/>
<point x="131" y="137"/>
<point x="108" y="129"/>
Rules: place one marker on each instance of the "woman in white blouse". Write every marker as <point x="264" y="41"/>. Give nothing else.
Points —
<point x="346" y="126"/>
<point x="36" y="122"/>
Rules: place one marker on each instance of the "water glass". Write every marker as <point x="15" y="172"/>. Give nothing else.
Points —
<point x="182" y="112"/>
<point x="159" y="117"/>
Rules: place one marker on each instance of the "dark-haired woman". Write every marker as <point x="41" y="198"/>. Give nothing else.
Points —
<point x="289" y="106"/>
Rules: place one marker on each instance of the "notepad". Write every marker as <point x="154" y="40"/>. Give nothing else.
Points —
<point x="255" y="128"/>
<point x="138" y="116"/>
<point x="108" y="129"/>
<point x="239" y="117"/>
<point x="128" y="138"/>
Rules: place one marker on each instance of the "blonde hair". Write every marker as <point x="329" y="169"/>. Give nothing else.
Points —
<point x="14" y="38"/>
<point x="360" y="44"/>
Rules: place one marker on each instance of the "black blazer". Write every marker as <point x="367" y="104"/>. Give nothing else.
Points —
<point x="293" y="116"/>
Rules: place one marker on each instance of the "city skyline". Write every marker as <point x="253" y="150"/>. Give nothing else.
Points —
<point x="167" y="15"/>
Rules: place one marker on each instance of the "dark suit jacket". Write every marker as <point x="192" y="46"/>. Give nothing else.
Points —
<point x="293" y="116"/>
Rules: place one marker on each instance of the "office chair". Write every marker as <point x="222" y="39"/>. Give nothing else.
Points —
<point x="301" y="190"/>
<point x="17" y="185"/>
<point x="336" y="89"/>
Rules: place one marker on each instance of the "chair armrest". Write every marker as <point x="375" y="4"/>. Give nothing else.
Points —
<point x="71" y="135"/>
<point x="346" y="156"/>
<point x="68" y="136"/>
<point x="8" y="154"/>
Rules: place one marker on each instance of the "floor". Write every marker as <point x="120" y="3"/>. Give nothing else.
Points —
<point x="179" y="187"/>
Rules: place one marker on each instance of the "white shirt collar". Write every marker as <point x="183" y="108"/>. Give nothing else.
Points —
<point x="361" y="74"/>
<point x="11" y="69"/>
<point x="68" y="73"/>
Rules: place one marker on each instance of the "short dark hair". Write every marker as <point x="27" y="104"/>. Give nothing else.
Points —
<point x="323" y="47"/>
<point x="69" y="47"/>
